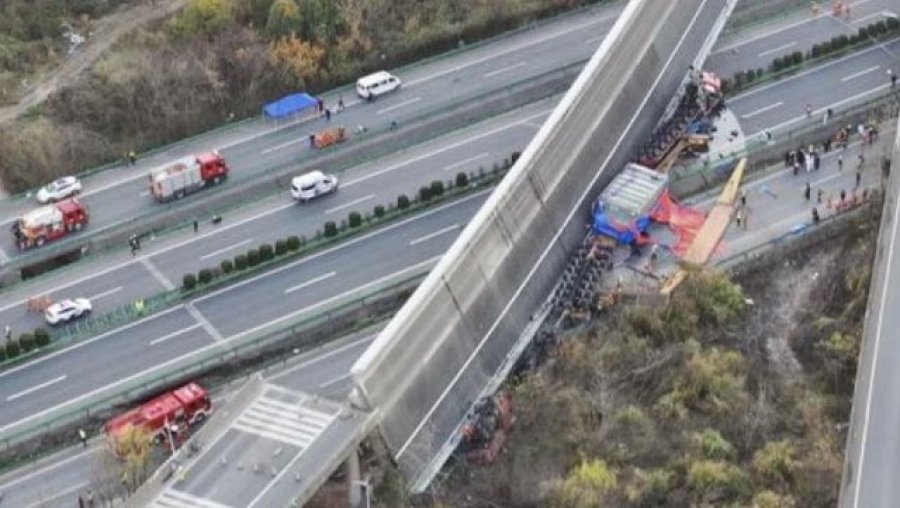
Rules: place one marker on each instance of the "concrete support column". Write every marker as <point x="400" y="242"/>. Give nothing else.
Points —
<point x="353" y="478"/>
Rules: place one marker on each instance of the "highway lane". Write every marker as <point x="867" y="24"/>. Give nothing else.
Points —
<point x="57" y="480"/>
<point x="119" y="194"/>
<point x="761" y="47"/>
<point x="428" y="88"/>
<point x="782" y="104"/>
<point x="78" y="372"/>
<point x="121" y="278"/>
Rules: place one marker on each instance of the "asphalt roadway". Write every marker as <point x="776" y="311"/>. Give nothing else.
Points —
<point x="251" y="148"/>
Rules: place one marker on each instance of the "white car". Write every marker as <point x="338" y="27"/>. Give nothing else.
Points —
<point x="312" y="185"/>
<point x="371" y="86"/>
<point x="64" y="311"/>
<point x="59" y="189"/>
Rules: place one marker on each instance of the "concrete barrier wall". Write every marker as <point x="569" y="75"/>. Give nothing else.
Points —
<point x="435" y="358"/>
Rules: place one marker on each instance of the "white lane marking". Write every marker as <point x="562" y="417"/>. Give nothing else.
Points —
<point x="528" y="43"/>
<point x="762" y="110"/>
<point x="54" y="354"/>
<point x="398" y="105"/>
<point x="826" y="13"/>
<point x="342" y="245"/>
<point x="310" y="282"/>
<point x="36" y="388"/>
<point x="868" y="17"/>
<point x="463" y="162"/>
<point x="878" y="333"/>
<point x="144" y="194"/>
<point x="4" y="257"/>
<point x="178" y="245"/>
<point x="860" y="73"/>
<point x="819" y="111"/>
<point x="226" y="249"/>
<point x="594" y="40"/>
<point x="445" y="148"/>
<point x="335" y="381"/>
<point x="503" y="69"/>
<point x="298" y="139"/>
<point x="349" y="204"/>
<point x="799" y="75"/>
<point x="552" y="243"/>
<point x="210" y="329"/>
<point x="201" y="350"/>
<point x="435" y="234"/>
<point x="106" y="293"/>
<point x="158" y="275"/>
<point x="174" y="334"/>
<point x="324" y="356"/>
<point x="776" y="50"/>
<point x="48" y="501"/>
<point x="52" y="463"/>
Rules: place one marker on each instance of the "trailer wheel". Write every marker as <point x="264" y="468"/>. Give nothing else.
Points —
<point x="216" y="180"/>
<point x="78" y="226"/>
<point x="40" y="241"/>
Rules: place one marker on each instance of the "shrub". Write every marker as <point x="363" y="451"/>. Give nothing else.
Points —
<point x="2" y="353"/>
<point x="816" y="51"/>
<point x="797" y="57"/>
<point x="462" y="179"/>
<point x="354" y="220"/>
<point x="189" y="281"/>
<point x="893" y="24"/>
<point x="253" y="257"/>
<point x="776" y="65"/>
<point x="12" y="349"/>
<point x="293" y="243"/>
<point x="26" y="341"/>
<point x="227" y="266"/>
<point x="205" y="276"/>
<point x="281" y="247"/>
<point x="437" y="188"/>
<point x="41" y="337"/>
<point x="343" y="225"/>
<point x="240" y="261"/>
<point x="402" y="202"/>
<point x="424" y="193"/>
<point x="266" y="252"/>
<point x="379" y="211"/>
<point x="330" y="229"/>
<point x="515" y="156"/>
<point x="881" y="27"/>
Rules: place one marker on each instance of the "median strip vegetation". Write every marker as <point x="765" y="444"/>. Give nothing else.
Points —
<point x="256" y="260"/>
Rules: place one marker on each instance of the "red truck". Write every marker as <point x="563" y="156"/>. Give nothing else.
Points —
<point x="187" y="175"/>
<point x="49" y="223"/>
<point x="180" y="409"/>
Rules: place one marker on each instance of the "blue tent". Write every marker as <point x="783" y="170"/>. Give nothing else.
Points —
<point x="289" y="105"/>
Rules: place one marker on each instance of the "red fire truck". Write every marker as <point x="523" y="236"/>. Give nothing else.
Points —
<point x="179" y="409"/>
<point x="187" y="175"/>
<point x="49" y="223"/>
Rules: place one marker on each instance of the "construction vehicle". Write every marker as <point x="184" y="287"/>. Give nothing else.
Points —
<point x="187" y="175"/>
<point x="330" y="136"/>
<point x="488" y="428"/>
<point x="167" y="418"/>
<point x="49" y="223"/>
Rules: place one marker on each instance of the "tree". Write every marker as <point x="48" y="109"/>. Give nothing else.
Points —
<point x="27" y="342"/>
<point x="240" y="262"/>
<point x="284" y="19"/>
<point x="300" y="60"/>
<point x="354" y="220"/>
<point x="330" y="229"/>
<point x="462" y="179"/>
<point x="587" y="484"/>
<point x="227" y="266"/>
<point x="266" y="252"/>
<point x="204" y="17"/>
<point x="253" y="257"/>
<point x="437" y="188"/>
<point x="293" y="243"/>
<point x="134" y="445"/>
<point x="402" y="202"/>
<point x="189" y="281"/>
<point x="378" y="212"/>
<point x="205" y="276"/>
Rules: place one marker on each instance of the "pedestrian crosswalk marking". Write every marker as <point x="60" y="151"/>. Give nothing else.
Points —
<point x="172" y="498"/>
<point x="292" y="424"/>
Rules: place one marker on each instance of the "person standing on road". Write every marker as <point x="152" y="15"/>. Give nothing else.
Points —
<point x="819" y="196"/>
<point x="840" y="163"/>
<point x="806" y="191"/>
<point x="815" y="215"/>
<point x="743" y="198"/>
<point x="327" y="114"/>
<point x="340" y="106"/>
<point x="196" y="226"/>
<point x="858" y="177"/>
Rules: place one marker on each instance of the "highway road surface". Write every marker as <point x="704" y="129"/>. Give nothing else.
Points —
<point x="115" y="196"/>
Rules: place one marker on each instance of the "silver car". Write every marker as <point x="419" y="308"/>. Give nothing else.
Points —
<point x="64" y="311"/>
<point x="58" y="189"/>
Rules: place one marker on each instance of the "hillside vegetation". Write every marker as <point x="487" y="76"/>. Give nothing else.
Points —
<point x="734" y="394"/>
<point x="215" y="60"/>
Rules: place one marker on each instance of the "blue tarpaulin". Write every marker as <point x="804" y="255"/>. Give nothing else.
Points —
<point x="289" y="105"/>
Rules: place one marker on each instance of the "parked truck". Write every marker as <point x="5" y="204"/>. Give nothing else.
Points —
<point x="169" y="416"/>
<point x="49" y="223"/>
<point x="187" y="175"/>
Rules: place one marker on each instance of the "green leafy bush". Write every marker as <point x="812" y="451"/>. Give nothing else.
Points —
<point x="424" y="193"/>
<point x="330" y="229"/>
<point x="227" y="266"/>
<point x="205" y="276"/>
<point x="12" y="349"/>
<point x="354" y="220"/>
<point x="437" y="188"/>
<point x="253" y="257"/>
<point x="379" y="211"/>
<point x="281" y="247"/>
<point x="402" y="202"/>
<point x="41" y="337"/>
<point x="293" y="243"/>
<point x="240" y="262"/>
<point x="266" y="252"/>
<point x="26" y="342"/>
<point x="189" y="281"/>
<point x="462" y="179"/>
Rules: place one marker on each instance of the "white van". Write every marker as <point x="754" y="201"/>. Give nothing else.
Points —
<point x="373" y="85"/>
<point x="312" y="185"/>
